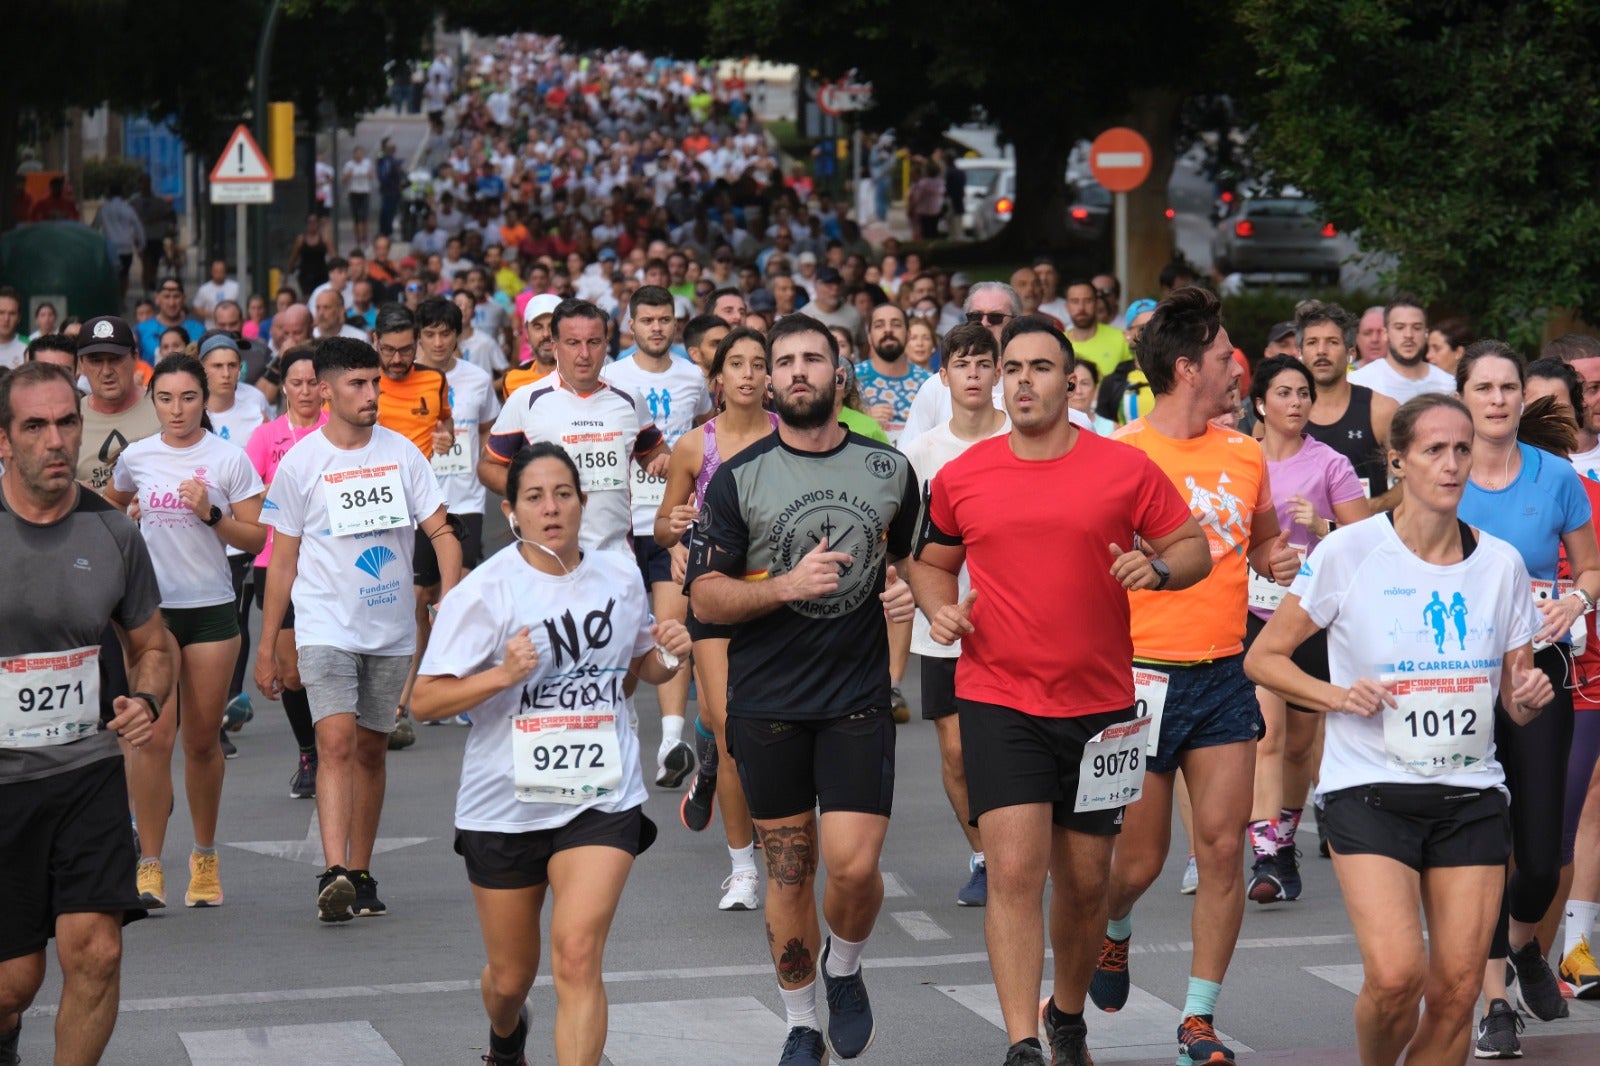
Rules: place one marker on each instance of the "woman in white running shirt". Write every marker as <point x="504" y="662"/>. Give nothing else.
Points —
<point x="537" y="644"/>
<point x="197" y="496"/>
<point x="1428" y="621"/>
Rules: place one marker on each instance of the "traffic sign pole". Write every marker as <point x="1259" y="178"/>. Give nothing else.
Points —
<point x="1120" y="161"/>
<point x="241" y="225"/>
<point x="1122" y="246"/>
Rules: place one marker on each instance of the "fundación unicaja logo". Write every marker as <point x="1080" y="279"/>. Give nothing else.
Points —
<point x="373" y="560"/>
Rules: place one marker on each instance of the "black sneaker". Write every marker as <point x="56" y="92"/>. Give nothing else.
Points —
<point x="1289" y="871"/>
<point x="1265" y="886"/>
<point x="850" y="1025"/>
<point x="335" y="894"/>
<point x="524" y="1020"/>
<point x="228" y="750"/>
<point x="1536" y="985"/>
<point x="803" y="1047"/>
<point x="303" y="785"/>
<point x="8" y="1046"/>
<point x="1023" y="1053"/>
<point x="1069" y="1042"/>
<point x="367" y="904"/>
<point x="695" y="810"/>
<point x="1497" y="1033"/>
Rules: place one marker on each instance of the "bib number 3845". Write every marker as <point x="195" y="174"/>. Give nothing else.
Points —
<point x="364" y="500"/>
<point x="1111" y="772"/>
<point x="49" y="699"/>
<point x="566" y="758"/>
<point x="1443" y="724"/>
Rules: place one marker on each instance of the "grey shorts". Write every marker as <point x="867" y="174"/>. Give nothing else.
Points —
<point x="347" y="682"/>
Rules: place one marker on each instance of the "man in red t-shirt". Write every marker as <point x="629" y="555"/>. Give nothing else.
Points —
<point x="1046" y="520"/>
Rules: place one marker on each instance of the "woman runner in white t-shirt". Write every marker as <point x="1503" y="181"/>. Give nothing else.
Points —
<point x="537" y="644"/>
<point x="1427" y="622"/>
<point x="196" y="493"/>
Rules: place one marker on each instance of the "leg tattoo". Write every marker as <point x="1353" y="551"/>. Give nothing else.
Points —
<point x="791" y="855"/>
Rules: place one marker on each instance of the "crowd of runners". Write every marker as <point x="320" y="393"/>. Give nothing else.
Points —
<point x="736" y="446"/>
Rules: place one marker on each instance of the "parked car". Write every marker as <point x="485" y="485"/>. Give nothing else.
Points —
<point x="994" y="210"/>
<point x="982" y="172"/>
<point x="1090" y="211"/>
<point x="1277" y="234"/>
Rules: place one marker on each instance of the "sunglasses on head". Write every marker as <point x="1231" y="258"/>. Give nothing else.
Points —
<point x="989" y="318"/>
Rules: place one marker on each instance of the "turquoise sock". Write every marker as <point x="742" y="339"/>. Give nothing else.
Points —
<point x="1202" y="998"/>
<point x="1120" y="928"/>
<point x="701" y="729"/>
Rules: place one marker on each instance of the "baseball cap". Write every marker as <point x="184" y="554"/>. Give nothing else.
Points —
<point x="829" y="276"/>
<point x="761" y="300"/>
<point x="1280" y="331"/>
<point x="107" y="333"/>
<point x="608" y="254"/>
<point x="543" y="304"/>
<point x="959" y="280"/>
<point x="808" y="257"/>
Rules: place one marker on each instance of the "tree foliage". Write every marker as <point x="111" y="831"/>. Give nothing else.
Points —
<point x="1458" y="136"/>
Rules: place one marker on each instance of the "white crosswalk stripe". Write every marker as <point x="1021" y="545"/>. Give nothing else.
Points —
<point x="919" y="925"/>
<point x="350" y="1043"/>
<point x="693" y="1032"/>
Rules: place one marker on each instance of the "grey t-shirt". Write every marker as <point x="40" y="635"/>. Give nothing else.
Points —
<point x="62" y="583"/>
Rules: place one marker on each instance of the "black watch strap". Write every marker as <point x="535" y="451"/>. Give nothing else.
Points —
<point x="1163" y="572"/>
<point x="216" y="516"/>
<point x="155" y="704"/>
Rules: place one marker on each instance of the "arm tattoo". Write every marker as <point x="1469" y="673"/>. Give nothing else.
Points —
<point x="791" y="857"/>
<point x="794" y="965"/>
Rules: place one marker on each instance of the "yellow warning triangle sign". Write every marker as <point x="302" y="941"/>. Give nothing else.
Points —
<point x="242" y="160"/>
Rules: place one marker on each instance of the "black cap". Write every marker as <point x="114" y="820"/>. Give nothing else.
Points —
<point x="828" y="276"/>
<point x="107" y="333"/>
<point x="761" y="300"/>
<point x="1280" y="331"/>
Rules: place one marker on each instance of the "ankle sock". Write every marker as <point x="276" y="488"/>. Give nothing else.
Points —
<point x="1059" y="1018"/>
<point x="149" y="862"/>
<point x="1264" y="837"/>
<point x="743" y="859"/>
<point x="977" y="860"/>
<point x="844" y="956"/>
<point x="1288" y="822"/>
<point x="1120" y="929"/>
<point x="1581" y="915"/>
<point x="198" y="850"/>
<point x="800" y="1006"/>
<point x="671" y="729"/>
<point x="1202" y="998"/>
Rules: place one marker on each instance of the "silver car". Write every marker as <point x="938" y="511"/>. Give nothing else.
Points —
<point x="1277" y="234"/>
<point x="982" y="173"/>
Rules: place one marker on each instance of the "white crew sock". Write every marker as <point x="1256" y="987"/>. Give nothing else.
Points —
<point x="844" y="956"/>
<point x="800" y="1004"/>
<point x="1581" y="915"/>
<point x="743" y="859"/>
<point x="671" y="729"/>
<point x="977" y="860"/>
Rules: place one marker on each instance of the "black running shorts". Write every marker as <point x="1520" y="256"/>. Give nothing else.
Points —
<point x="522" y="860"/>
<point x="1422" y="826"/>
<point x="938" y="686"/>
<point x="835" y="764"/>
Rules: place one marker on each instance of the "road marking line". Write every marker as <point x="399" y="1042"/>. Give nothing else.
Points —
<point x="919" y="925"/>
<point x="894" y="888"/>
<point x="356" y="1043"/>
<point x="309" y="850"/>
<point x="692" y="1032"/>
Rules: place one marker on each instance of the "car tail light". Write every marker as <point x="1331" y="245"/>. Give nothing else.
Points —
<point x="1002" y="206"/>
<point x="1329" y="231"/>
<point x="1171" y="213"/>
<point x="1080" y="214"/>
<point x="1244" y="228"/>
<point x="1227" y="197"/>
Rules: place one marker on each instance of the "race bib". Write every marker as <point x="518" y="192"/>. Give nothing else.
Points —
<point x="1442" y="724"/>
<point x="602" y="458"/>
<point x="49" y="699"/>
<point x="1265" y="593"/>
<point x="648" y="490"/>
<point x="1149" y="700"/>
<point x="1111" y="772"/>
<point x="458" y="459"/>
<point x="365" y="499"/>
<point x="566" y="758"/>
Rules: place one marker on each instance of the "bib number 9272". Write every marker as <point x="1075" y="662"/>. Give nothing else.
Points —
<point x="567" y="757"/>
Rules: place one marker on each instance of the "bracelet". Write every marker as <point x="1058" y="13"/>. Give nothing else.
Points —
<point x="154" y="704"/>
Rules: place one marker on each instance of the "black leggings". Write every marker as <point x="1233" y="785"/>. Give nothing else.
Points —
<point x="241" y="567"/>
<point x="296" y="706"/>
<point x="1535" y="760"/>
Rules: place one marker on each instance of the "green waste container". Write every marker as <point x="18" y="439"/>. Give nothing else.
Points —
<point x="64" y="262"/>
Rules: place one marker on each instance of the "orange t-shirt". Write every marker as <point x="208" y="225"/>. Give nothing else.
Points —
<point x="413" y="406"/>
<point x="1222" y="475"/>
<point x="522" y="375"/>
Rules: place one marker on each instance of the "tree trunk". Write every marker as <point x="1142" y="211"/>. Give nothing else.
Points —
<point x="1154" y="113"/>
<point x="1039" y="217"/>
<point x="10" y="119"/>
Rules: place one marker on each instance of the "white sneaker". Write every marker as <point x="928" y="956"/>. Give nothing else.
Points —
<point x="674" y="762"/>
<point x="1191" y="878"/>
<point x="741" y="894"/>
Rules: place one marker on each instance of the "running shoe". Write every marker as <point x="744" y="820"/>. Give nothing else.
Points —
<point x="1289" y="870"/>
<point x="1536" y="985"/>
<point x="152" y="885"/>
<point x="1069" y="1042"/>
<point x="205" y="886"/>
<point x="228" y="750"/>
<point x="898" y="707"/>
<point x="335" y="894"/>
<point x="1579" y="970"/>
<point x="740" y="892"/>
<point x="1108" y="988"/>
<point x="975" y="893"/>
<point x="303" y="785"/>
<point x="1197" y="1038"/>
<point x="1191" y="878"/>
<point x="237" y="712"/>
<point x="1023" y="1053"/>
<point x="695" y="810"/>
<point x="524" y="1021"/>
<point x="850" y="1025"/>
<point x="367" y="904"/>
<point x="8" y="1045"/>
<point x="803" y="1047"/>
<point x="674" y="762"/>
<point x="404" y="735"/>
<point x="1497" y="1033"/>
<point x="1265" y="887"/>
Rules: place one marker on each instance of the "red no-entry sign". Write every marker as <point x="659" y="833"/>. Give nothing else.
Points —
<point x="1120" y="159"/>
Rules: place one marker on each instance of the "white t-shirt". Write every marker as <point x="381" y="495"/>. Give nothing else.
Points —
<point x="209" y="295"/>
<point x="1389" y="615"/>
<point x="1587" y="464"/>
<point x="473" y="405"/>
<point x="239" y="421"/>
<point x="484" y="352"/>
<point x="352" y="592"/>
<point x="588" y="626"/>
<point x="12" y="352"/>
<point x="931" y="407"/>
<point x="1382" y="377"/>
<point x="676" y="397"/>
<point x="191" y="566"/>
<point x="358" y="176"/>
<point x="928" y="454"/>
<point x="600" y="431"/>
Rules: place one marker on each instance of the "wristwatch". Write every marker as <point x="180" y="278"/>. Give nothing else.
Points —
<point x="215" y="516"/>
<point x="155" y="704"/>
<point x="1163" y="573"/>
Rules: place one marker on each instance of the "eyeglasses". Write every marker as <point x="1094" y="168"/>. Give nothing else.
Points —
<point x="989" y="318"/>
<point x="397" y="353"/>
